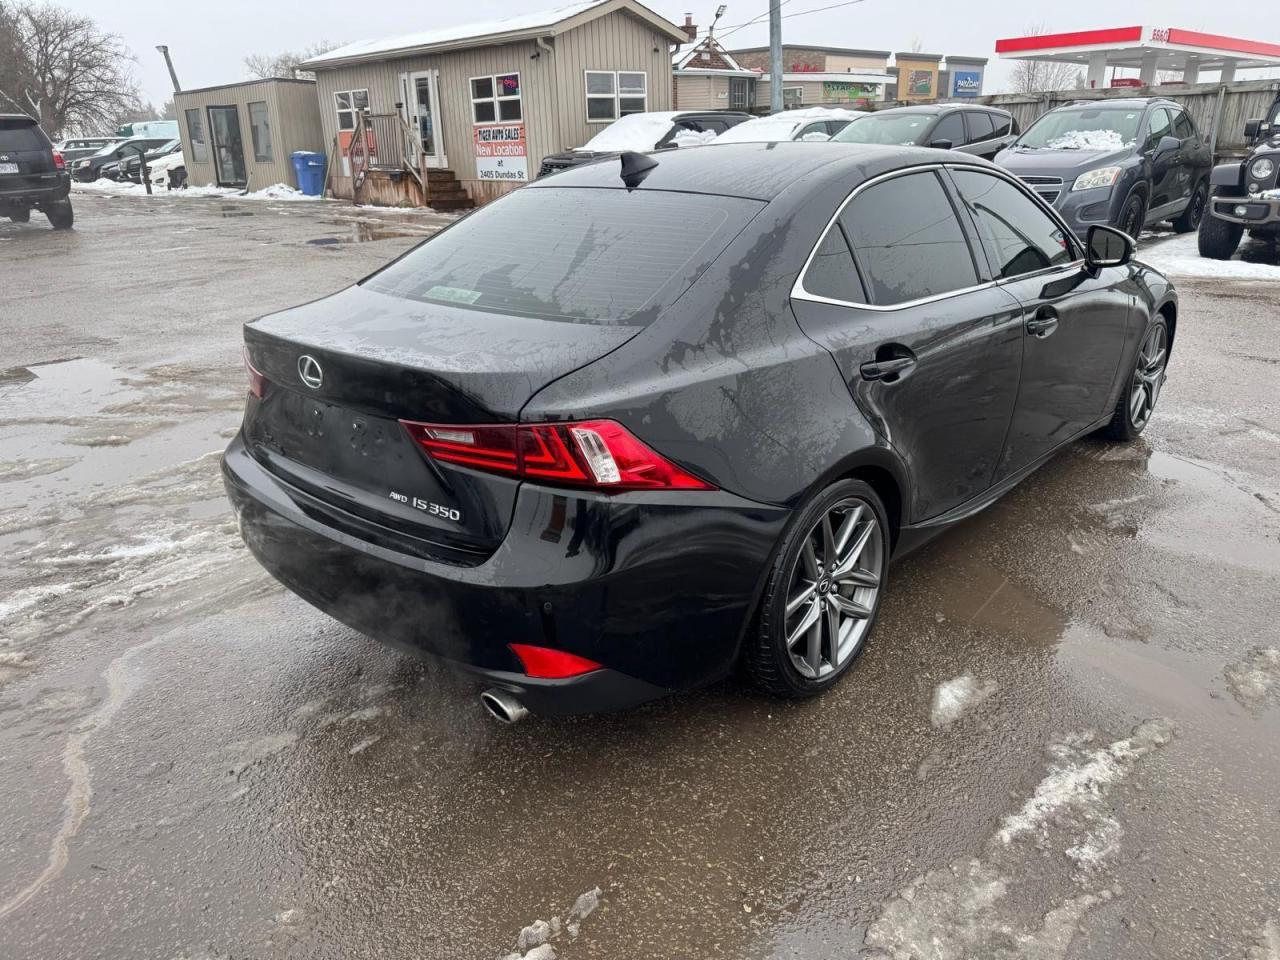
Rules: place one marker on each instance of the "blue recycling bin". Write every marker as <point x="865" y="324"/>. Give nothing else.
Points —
<point x="308" y="167"/>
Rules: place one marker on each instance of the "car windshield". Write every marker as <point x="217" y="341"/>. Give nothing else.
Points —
<point x="1084" y="128"/>
<point x="20" y="134"/>
<point x="637" y="131"/>
<point x="594" y="256"/>
<point x="903" y="129"/>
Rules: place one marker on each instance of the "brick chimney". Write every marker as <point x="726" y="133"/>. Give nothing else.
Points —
<point x="690" y="28"/>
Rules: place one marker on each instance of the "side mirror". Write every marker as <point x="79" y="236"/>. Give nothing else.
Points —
<point x="941" y="144"/>
<point x="1107" y="247"/>
<point x="1167" y="145"/>
<point x="1252" y="129"/>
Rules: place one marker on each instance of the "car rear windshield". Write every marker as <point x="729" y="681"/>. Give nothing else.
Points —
<point x="1084" y="128"/>
<point x="21" y="134"/>
<point x="902" y="129"/>
<point x="586" y="255"/>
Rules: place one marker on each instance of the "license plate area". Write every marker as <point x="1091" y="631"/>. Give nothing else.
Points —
<point x="8" y="168"/>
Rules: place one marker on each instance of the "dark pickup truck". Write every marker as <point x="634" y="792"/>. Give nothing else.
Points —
<point x="33" y="175"/>
<point x="1245" y="194"/>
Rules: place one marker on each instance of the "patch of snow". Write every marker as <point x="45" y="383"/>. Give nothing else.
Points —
<point x="31" y="597"/>
<point x="364" y="745"/>
<point x="951" y="700"/>
<point x="636" y="131"/>
<point x="1256" y="677"/>
<point x="1267" y="944"/>
<point x="1089" y="140"/>
<point x="277" y="191"/>
<point x="782" y="126"/>
<point x="693" y="138"/>
<point x="1180" y="257"/>
<point x="534" y="941"/>
<point x="1080" y="778"/>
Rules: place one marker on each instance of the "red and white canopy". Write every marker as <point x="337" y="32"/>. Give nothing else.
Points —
<point x="1148" y="49"/>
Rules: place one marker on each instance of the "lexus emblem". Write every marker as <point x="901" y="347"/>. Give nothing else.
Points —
<point x="309" y="371"/>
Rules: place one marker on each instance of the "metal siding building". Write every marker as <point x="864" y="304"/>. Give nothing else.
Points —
<point x="292" y="116"/>
<point x="551" y="62"/>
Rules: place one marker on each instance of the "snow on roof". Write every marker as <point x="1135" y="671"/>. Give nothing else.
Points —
<point x="782" y="126"/>
<point x="636" y="131"/>
<point x="684" y="53"/>
<point x="457" y="35"/>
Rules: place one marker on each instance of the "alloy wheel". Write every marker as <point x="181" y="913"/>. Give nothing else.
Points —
<point x="1148" y="376"/>
<point x="834" y="588"/>
<point x="1196" y="214"/>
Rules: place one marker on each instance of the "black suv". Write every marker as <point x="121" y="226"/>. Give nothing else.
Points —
<point x="89" y="168"/>
<point x="642" y="132"/>
<point x="1246" y="193"/>
<point x="33" y="175"/>
<point x="978" y="131"/>
<point x="1128" y="163"/>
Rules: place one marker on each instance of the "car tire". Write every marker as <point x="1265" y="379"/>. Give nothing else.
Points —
<point x="60" y="215"/>
<point x="829" y="573"/>
<point x="1218" y="238"/>
<point x="1190" y="218"/>
<point x="1133" y="215"/>
<point x="20" y="216"/>
<point x="1132" y="414"/>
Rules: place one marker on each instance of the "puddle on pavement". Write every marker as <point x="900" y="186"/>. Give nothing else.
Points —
<point x="362" y="231"/>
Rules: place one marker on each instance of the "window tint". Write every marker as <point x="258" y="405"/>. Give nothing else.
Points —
<point x="1019" y="236"/>
<point x="832" y="272"/>
<point x="980" y="127"/>
<point x="908" y="241"/>
<point x="599" y="256"/>
<point x="1004" y="125"/>
<point x="1159" y="126"/>
<point x="21" y="134"/>
<point x="950" y="127"/>
<point x="1183" y="128"/>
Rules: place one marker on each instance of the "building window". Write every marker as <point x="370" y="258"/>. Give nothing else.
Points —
<point x="741" y="93"/>
<point x="615" y="93"/>
<point x="496" y="98"/>
<point x="349" y="104"/>
<point x="792" y="97"/>
<point x="195" y="130"/>
<point x="260" y="131"/>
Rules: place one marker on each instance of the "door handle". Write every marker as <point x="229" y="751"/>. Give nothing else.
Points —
<point x="890" y="368"/>
<point x="1043" y="324"/>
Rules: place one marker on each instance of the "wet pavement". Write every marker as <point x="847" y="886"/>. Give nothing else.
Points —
<point x="1061" y="743"/>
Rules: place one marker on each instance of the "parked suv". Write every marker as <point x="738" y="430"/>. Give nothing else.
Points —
<point x="978" y="131"/>
<point x="33" y="175"/>
<point x="1128" y="163"/>
<point x="1245" y="193"/>
<point x="89" y="168"/>
<point x="643" y="132"/>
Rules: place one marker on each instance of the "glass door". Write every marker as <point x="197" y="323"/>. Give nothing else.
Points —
<point x="228" y="146"/>
<point x="422" y="113"/>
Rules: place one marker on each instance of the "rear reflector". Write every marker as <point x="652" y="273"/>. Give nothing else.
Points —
<point x="599" y="454"/>
<point x="547" y="664"/>
<point x="257" y="382"/>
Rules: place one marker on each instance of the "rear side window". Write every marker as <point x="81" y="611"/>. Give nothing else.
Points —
<point x="908" y="241"/>
<point x="1159" y="127"/>
<point x="950" y="127"/>
<point x="979" y="122"/>
<point x="1020" y="237"/>
<point x="1183" y="128"/>
<point x="832" y="273"/>
<point x="585" y="255"/>
<point x="21" y="134"/>
<point x="1004" y="125"/>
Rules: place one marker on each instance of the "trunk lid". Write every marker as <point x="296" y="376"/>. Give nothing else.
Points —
<point x="22" y="143"/>
<point x="370" y="360"/>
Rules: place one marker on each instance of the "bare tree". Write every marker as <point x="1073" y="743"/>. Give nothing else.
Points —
<point x="262" y="66"/>
<point x="62" y="69"/>
<point x="1042" y="76"/>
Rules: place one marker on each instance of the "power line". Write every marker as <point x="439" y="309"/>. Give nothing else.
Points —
<point x="786" y="16"/>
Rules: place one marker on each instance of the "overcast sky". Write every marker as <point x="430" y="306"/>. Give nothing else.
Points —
<point x="209" y="41"/>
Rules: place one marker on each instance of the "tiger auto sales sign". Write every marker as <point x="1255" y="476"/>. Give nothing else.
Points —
<point x="501" y="152"/>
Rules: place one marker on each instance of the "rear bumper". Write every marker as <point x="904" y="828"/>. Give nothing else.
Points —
<point x="657" y="588"/>
<point x="1258" y="211"/>
<point x="35" y="191"/>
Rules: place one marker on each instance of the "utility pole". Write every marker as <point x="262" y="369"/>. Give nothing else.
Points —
<point x="775" y="56"/>
<point x="173" y="74"/>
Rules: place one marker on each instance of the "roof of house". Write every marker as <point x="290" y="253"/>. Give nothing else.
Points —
<point x="528" y="26"/>
<point x="240" y="83"/>
<point x="686" y="51"/>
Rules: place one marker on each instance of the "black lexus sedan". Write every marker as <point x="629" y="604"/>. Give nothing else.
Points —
<point x="616" y="432"/>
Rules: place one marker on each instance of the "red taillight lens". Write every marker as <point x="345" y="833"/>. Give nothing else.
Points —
<point x="58" y="161"/>
<point x="600" y="454"/>
<point x="257" y="382"/>
<point x="547" y="664"/>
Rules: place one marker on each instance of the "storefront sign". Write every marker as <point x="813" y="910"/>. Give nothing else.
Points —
<point x="501" y="152"/>
<point x="920" y="83"/>
<point x="842" y="90"/>
<point x="966" y="83"/>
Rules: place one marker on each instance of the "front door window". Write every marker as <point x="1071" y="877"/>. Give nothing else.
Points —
<point x="425" y="114"/>
<point x="228" y="146"/>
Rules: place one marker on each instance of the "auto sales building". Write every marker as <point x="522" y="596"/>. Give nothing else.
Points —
<point x="464" y="114"/>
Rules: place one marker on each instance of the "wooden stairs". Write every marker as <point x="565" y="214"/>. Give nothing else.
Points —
<point x="445" y="192"/>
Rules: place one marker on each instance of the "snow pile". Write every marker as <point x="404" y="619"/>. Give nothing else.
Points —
<point x="1089" y="140"/>
<point x="693" y="138"/>
<point x="1180" y="257"/>
<point x="636" y="131"/>
<point x="277" y="191"/>
<point x="1256" y="677"/>
<point x="951" y="700"/>
<point x="534" y="942"/>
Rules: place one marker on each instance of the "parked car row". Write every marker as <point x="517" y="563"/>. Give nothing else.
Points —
<point x="90" y="168"/>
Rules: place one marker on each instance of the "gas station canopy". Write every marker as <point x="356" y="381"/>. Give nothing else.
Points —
<point x="1148" y="49"/>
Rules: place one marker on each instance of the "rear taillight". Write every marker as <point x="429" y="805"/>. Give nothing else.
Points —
<point x="58" y="161"/>
<point x="548" y="664"/>
<point x="600" y="454"/>
<point x="257" y="382"/>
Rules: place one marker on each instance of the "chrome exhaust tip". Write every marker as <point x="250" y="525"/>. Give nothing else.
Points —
<point x="502" y="706"/>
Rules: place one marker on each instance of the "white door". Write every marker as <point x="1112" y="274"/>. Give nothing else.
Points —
<point x="421" y="111"/>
